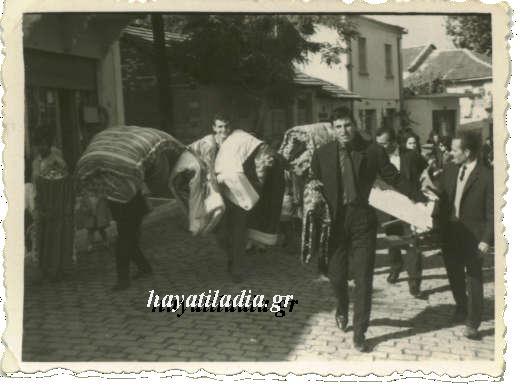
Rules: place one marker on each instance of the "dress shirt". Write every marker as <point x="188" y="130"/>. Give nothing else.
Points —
<point x="461" y="183"/>
<point x="395" y="159"/>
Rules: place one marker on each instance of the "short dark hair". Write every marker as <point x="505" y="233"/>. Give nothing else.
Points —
<point x="341" y="112"/>
<point x="471" y="141"/>
<point x="445" y="140"/>
<point x="389" y="131"/>
<point x="221" y="117"/>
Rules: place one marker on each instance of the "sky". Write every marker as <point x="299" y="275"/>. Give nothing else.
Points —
<point x="421" y="29"/>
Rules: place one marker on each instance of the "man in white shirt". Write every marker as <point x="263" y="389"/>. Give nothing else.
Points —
<point x="467" y="217"/>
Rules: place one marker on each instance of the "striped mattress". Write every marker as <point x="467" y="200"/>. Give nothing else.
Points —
<point x="119" y="160"/>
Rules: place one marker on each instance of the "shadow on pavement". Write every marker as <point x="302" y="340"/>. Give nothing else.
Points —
<point x="433" y="318"/>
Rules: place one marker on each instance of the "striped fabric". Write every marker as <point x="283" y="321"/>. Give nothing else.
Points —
<point x="118" y="160"/>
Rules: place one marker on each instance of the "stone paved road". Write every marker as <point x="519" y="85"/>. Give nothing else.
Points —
<point x="81" y="320"/>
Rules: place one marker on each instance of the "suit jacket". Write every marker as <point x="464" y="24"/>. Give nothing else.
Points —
<point x="476" y="210"/>
<point x="368" y="160"/>
<point x="412" y="167"/>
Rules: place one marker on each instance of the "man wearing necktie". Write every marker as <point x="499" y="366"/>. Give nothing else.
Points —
<point x="467" y="217"/>
<point x="347" y="167"/>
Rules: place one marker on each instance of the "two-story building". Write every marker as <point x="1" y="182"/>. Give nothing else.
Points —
<point x="371" y="68"/>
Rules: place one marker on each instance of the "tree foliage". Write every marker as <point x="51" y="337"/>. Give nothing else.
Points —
<point x="471" y="32"/>
<point x="254" y="54"/>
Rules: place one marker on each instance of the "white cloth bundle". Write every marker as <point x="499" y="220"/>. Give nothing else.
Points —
<point x="205" y="204"/>
<point x="386" y="199"/>
<point x="235" y="150"/>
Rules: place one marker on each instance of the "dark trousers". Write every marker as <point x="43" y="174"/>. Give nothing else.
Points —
<point x="412" y="263"/>
<point x="129" y="217"/>
<point x="356" y="231"/>
<point x="464" y="268"/>
<point x="232" y="236"/>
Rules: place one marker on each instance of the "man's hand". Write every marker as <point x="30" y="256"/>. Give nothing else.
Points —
<point x="483" y="247"/>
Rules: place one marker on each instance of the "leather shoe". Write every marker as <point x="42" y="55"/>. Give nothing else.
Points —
<point x="361" y="345"/>
<point x="418" y="294"/>
<point x="471" y="333"/>
<point x="392" y="277"/>
<point x="341" y="321"/>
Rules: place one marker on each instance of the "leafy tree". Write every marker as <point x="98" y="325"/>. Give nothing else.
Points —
<point x="253" y="54"/>
<point x="471" y="32"/>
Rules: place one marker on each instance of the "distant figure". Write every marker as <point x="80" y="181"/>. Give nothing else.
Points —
<point x="410" y="165"/>
<point x="95" y="217"/>
<point x="487" y="152"/>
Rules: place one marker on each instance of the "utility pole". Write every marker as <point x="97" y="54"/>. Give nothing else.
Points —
<point x="162" y="72"/>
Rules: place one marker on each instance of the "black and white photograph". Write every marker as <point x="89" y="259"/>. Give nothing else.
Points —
<point x="260" y="187"/>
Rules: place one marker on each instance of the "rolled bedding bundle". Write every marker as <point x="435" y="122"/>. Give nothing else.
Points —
<point x="316" y="228"/>
<point x="123" y="160"/>
<point x="194" y="186"/>
<point x="297" y="148"/>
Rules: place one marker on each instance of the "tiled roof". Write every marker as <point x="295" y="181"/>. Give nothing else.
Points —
<point x="302" y="79"/>
<point x="410" y="54"/>
<point x="453" y="65"/>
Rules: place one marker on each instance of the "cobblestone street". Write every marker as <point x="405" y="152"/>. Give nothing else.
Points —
<point x="79" y="319"/>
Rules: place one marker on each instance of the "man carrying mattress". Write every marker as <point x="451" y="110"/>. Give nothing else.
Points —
<point x="250" y="177"/>
<point x="116" y="165"/>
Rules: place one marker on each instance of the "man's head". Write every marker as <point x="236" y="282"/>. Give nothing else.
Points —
<point x="221" y="127"/>
<point x="343" y="125"/>
<point x="435" y="137"/>
<point x="465" y="147"/>
<point x="385" y="137"/>
<point x="444" y="143"/>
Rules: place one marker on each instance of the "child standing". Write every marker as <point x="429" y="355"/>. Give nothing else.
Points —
<point x="95" y="217"/>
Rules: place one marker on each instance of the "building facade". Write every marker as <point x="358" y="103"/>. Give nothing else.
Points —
<point x="458" y="84"/>
<point x="72" y="78"/>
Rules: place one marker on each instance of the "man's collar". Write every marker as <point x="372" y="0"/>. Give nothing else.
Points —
<point x="470" y="165"/>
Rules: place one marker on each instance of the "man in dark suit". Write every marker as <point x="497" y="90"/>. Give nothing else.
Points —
<point x="348" y="167"/>
<point x="467" y="219"/>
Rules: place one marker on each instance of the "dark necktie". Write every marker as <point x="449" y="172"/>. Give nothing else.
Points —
<point x="462" y="173"/>
<point x="347" y="176"/>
